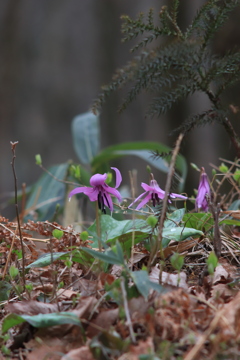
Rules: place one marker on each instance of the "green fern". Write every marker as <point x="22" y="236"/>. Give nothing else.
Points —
<point x="182" y="65"/>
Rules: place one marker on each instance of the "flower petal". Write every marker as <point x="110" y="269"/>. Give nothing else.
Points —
<point x="147" y="187"/>
<point x="98" y="179"/>
<point x="107" y="200"/>
<point x="139" y="197"/>
<point x="144" y="202"/>
<point x="173" y="195"/>
<point x="113" y="191"/>
<point x="118" y="177"/>
<point x="93" y="195"/>
<point x="83" y="189"/>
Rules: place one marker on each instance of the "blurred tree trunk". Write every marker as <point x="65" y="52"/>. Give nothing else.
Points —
<point x="9" y="77"/>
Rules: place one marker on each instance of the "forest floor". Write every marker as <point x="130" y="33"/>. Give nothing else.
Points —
<point x="195" y="316"/>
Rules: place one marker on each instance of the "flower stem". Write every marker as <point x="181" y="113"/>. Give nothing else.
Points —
<point x="98" y="226"/>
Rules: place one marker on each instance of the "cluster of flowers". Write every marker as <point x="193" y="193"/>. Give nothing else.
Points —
<point x="101" y="192"/>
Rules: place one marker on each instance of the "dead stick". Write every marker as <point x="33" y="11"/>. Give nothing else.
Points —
<point x="13" y="147"/>
<point x="158" y="245"/>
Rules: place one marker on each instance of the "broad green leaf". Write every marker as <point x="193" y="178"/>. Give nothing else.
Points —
<point x="47" y="193"/>
<point x="144" y="151"/>
<point x="11" y="320"/>
<point x="109" y="256"/>
<point x="40" y="320"/>
<point x="86" y="136"/>
<point x="119" y="252"/>
<point x="5" y="289"/>
<point x="46" y="259"/>
<point x="143" y="283"/>
<point x="230" y="222"/>
<point x="199" y="221"/>
<point x="235" y="205"/>
<point x="174" y="218"/>
<point x="112" y="229"/>
<point x="178" y="234"/>
<point x="80" y="257"/>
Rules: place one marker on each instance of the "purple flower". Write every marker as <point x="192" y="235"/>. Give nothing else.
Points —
<point x="204" y="192"/>
<point x="100" y="191"/>
<point x="154" y="193"/>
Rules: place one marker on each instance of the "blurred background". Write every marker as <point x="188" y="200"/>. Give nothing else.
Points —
<point x="54" y="57"/>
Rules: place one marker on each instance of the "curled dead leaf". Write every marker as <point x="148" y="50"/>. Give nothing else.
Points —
<point x="31" y="307"/>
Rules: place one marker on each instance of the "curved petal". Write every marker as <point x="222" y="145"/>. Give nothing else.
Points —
<point x="93" y="195"/>
<point x="143" y="202"/>
<point x="139" y="197"/>
<point x="147" y="187"/>
<point x="118" y="177"/>
<point x="173" y="195"/>
<point x="98" y="179"/>
<point x="113" y="191"/>
<point x="108" y="201"/>
<point x="83" y="189"/>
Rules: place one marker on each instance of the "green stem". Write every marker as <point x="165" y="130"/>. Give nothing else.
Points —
<point x="98" y="227"/>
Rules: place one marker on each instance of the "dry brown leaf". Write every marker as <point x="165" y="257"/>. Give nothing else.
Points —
<point x="229" y="322"/>
<point x="66" y="294"/>
<point x="85" y="307"/>
<point x="102" y="322"/>
<point x="172" y="314"/>
<point x="143" y="347"/>
<point x="136" y="257"/>
<point x="87" y="287"/>
<point x="233" y="213"/>
<point x="178" y="280"/>
<point x="220" y="275"/>
<point x="116" y="270"/>
<point x="137" y="307"/>
<point x="223" y="292"/>
<point x="82" y="353"/>
<point x="180" y="247"/>
<point x="50" y="349"/>
<point x="31" y="307"/>
<point x="106" y="278"/>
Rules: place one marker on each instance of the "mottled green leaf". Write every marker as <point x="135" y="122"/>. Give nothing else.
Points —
<point x="40" y="320"/>
<point x="86" y="136"/>
<point x="46" y="259"/>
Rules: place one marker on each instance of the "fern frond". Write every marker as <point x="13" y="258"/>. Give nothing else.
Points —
<point x="162" y="104"/>
<point x="210" y="18"/>
<point x="202" y="119"/>
<point x="180" y="66"/>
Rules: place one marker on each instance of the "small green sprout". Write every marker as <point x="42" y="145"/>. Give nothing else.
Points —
<point x="212" y="262"/>
<point x="57" y="233"/>
<point x="38" y="159"/>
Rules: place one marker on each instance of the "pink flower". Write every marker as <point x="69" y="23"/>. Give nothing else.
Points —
<point x="154" y="193"/>
<point x="204" y="192"/>
<point x="100" y="191"/>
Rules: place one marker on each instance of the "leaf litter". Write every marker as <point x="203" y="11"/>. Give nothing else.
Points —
<point x="187" y="321"/>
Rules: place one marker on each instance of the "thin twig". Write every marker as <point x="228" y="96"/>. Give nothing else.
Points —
<point x="13" y="147"/>
<point x="55" y="178"/>
<point x="127" y="313"/>
<point x="202" y="339"/>
<point x="9" y="255"/>
<point x="217" y="242"/>
<point x="158" y="243"/>
<point x="131" y="175"/>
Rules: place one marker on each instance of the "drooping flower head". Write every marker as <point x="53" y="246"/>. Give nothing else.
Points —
<point x="153" y="193"/>
<point x="100" y="191"/>
<point x="204" y="192"/>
